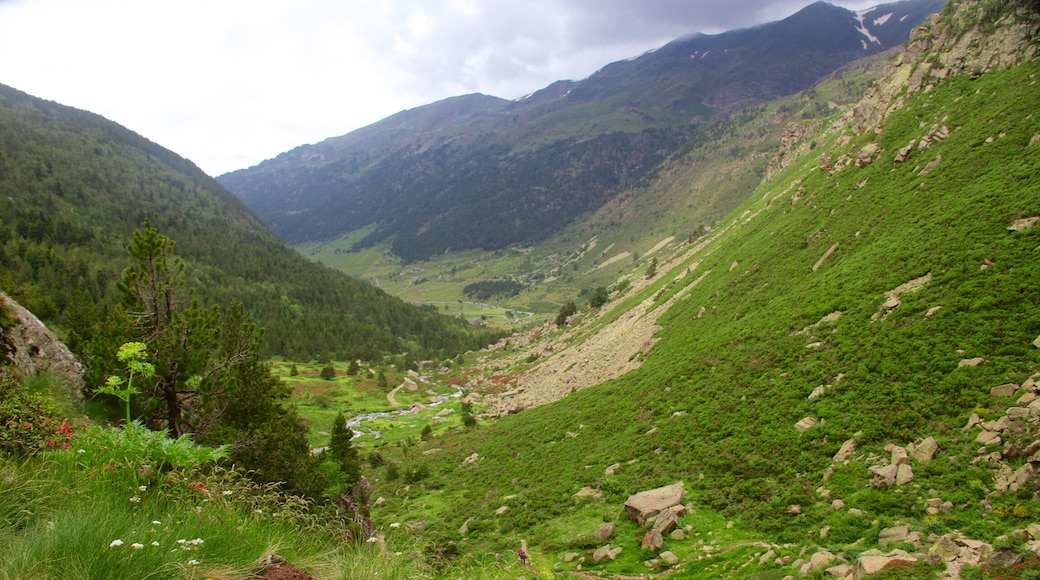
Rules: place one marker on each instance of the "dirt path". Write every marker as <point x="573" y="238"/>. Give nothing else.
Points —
<point x="390" y="396"/>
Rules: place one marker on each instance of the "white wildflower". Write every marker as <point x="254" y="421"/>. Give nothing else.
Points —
<point x="81" y="451"/>
<point x="142" y="488"/>
<point x="395" y="525"/>
<point x="115" y="543"/>
<point x="226" y="492"/>
<point x="156" y="523"/>
<point x="193" y="562"/>
<point x="135" y="499"/>
<point x="372" y="539"/>
<point x="156" y="544"/>
<point x="136" y="546"/>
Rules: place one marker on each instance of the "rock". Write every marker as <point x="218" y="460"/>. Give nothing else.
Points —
<point x="571" y="556"/>
<point x="464" y="528"/>
<point x="1005" y="390"/>
<point x="604" y="531"/>
<point x="839" y="571"/>
<point x="973" y="421"/>
<point x="805" y="424"/>
<point x="416" y="526"/>
<point x="606" y="552"/>
<point x="653" y="540"/>
<point x="866" y="155"/>
<point x="971" y="362"/>
<point x="846" y="451"/>
<point x="819" y="561"/>
<point x="825" y="531"/>
<point x="471" y="459"/>
<point x="35" y="350"/>
<point x="1023" y="223"/>
<point x="1004" y="559"/>
<point x="1022" y="477"/>
<point x="932" y="311"/>
<point x="867" y="565"/>
<point x="669" y="558"/>
<point x="502" y="510"/>
<point x="893" y="535"/>
<point x="923" y="450"/>
<point x="999" y="425"/>
<point x="855" y="512"/>
<point x="838" y="504"/>
<point x="794" y="509"/>
<point x="1017" y="412"/>
<point x="610" y="470"/>
<point x="944" y="548"/>
<point x="905" y="474"/>
<point x="817" y="392"/>
<point x="678" y="535"/>
<point x="899" y="455"/>
<point x="666" y="521"/>
<point x="589" y="493"/>
<point x="988" y="438"/>
<point x="646" y="504"/>
<point x="884" y="476"/>
<point x="1026" y="398"/>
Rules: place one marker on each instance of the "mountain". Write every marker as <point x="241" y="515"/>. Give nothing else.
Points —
<point x="481" y="172"/>
<point x="74" y="187"/>
<point x="843" y="375"/>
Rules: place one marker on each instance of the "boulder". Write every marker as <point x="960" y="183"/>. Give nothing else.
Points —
<point x="604" y="531"/>
<point x="653" y="540"/>
<point x="647" y="504"/>
<point x="805" y="424"/>
<point x="899" y="455"/>
<point x="893" y="535"/>
<point x="1024" y="223"/>
<point x="669" y="558"/>
<point x="606" y="552"/>
<point x="1017" y="412"/>
<point x="839" y="571"/>
<point x="471" y="459"/>
<point x="971" y="362"/>
<point x="905" y="474"/>
<point x="819" y="561"/>
<point x="767" y="557"/>
<point x="1022" y="477"/>
<point x="610" y="470"/>
<point x="589" y="493"/>
<point x="666" y="521"/>
<point x="884" y="475"/>
<point x="923" y="450"/>
<point x="1005" y="390"/>
<point x="838" y="504"/>
<point x="867" y="565"/>
<point x="502" y="510"/>
<point x="988" y="438"/>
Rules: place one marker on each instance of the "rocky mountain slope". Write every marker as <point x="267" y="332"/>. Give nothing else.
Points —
<point x="845" y="372"/>
<point x="481" y="172"/>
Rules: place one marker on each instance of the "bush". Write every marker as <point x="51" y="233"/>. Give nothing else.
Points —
<point x="28" y="425"/>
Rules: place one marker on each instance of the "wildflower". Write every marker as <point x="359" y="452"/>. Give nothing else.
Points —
<point x="193" y="562"/>
<point x="115" y="543"/>
<point x="27" y="425"/>
<point x="227" y="492"/>
<point x="372" y="539"/>
<point x="395" y="525"/>
<point x="142" y="488"/>
<point x="136" y="546"/>
<point x="156" y="523"/>
<point x="81" y="451"/>
<point x="135" y="499"/>
<point x="156" y="544"/>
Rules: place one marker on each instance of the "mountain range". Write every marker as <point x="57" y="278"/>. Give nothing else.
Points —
<point x="480" y="172"/>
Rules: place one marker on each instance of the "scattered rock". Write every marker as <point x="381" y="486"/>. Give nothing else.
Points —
<point x="1023" y="224"/>
<point x="471" y="459"/>
<point x="604" y="531"/>
<point x="971" y="362"/>
<point x="653" y="540"/>
<point x="838" y="504"/>
<point x="904" y="474"/>
<point x="884" y="475"/>
<point x="932" y="311"/>
<point x="606" y="552"/>
<point x="589" y="493"/>
<point x="669" y="558"/>
<point x="610" y="470"/>
<point x="893" y="535"/>
<point x="872" y="563"/>
<point x="502" y="510"/>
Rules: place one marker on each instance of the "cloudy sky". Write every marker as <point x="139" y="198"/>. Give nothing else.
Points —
<point x="229" y="83"/>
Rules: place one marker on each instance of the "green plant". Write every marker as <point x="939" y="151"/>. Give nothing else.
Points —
<point x="134" y="355"/>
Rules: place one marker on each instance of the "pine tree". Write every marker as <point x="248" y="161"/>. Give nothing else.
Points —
<point x="342" y="449"/>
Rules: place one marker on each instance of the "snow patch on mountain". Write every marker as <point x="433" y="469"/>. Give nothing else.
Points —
<point x="881" y="20"/>
<point x="862" y="28"/>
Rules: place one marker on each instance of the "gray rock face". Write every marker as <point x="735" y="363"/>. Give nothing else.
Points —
<point x="646" y="504"/>
<point x="35" y="349"/>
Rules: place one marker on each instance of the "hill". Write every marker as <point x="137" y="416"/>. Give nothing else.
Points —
<point x="848" y="363"/>
<point x="478" y="172"/>
<point x="74" y="187"/>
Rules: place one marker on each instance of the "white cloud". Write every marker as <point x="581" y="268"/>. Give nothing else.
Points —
<point x="230" y="83"/>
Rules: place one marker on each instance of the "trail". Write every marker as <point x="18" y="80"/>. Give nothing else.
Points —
<point x="390" y="396"/>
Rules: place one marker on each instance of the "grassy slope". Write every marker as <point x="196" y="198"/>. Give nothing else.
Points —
<point x="742" y="378"/>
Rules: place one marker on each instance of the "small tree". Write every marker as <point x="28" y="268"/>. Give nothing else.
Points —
<point x="427" y="433"/>
<point x="328" y="372"/>
<point x="651" y="270"/>
<point x="468" y="420"/>
<point x="566" y="311"/>
<point x="381" y="380"/>
<point x="342" y="449"/>
<point x="293" y="371"/>
<point x="599" y="297"/>
<point x="353" y="368"/>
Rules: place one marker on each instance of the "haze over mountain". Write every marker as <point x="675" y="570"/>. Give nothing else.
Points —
<point x="481" y="172"/>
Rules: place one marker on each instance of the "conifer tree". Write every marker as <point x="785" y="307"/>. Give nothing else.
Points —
<point x="342" y="449"/>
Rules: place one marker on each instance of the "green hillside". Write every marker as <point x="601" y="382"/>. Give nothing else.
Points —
<point x="796" y="292"/>
<point x="75" y="186"/>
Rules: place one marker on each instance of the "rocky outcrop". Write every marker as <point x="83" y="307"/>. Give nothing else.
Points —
<point x="33" y="349"/>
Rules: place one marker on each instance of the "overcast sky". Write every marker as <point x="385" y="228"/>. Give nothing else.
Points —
<point x="229" y="83"/>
